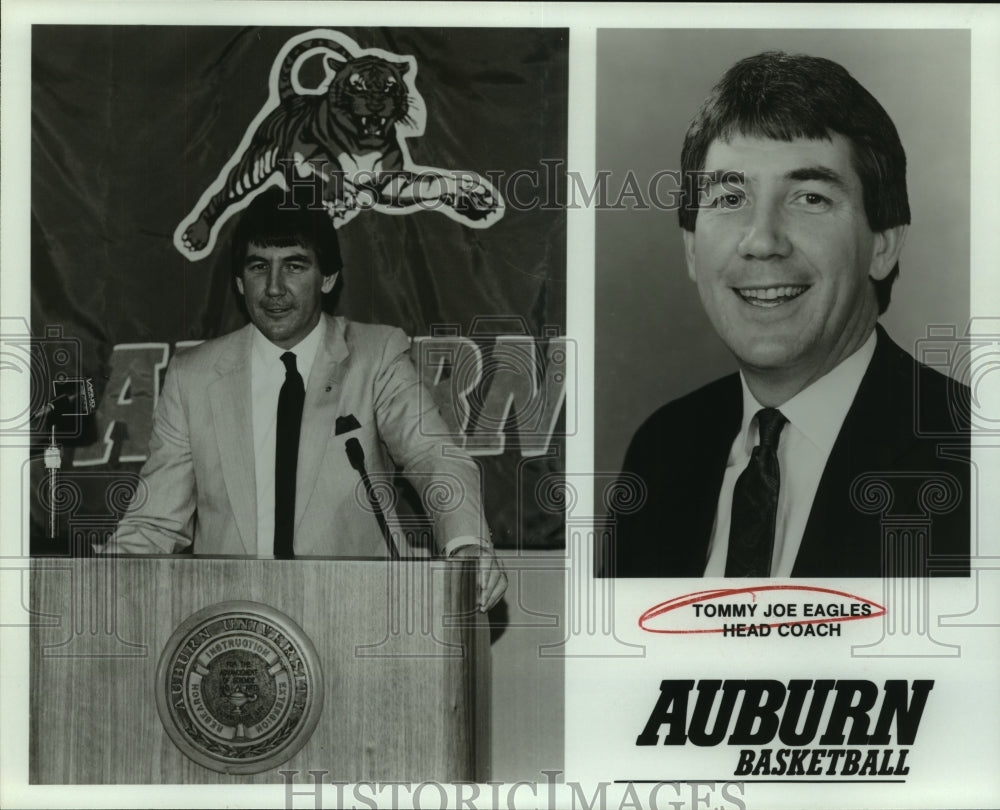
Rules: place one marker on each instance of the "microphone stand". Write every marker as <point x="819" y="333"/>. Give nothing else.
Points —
<point x="356" y="455"/>
<point x="53" y="461"/>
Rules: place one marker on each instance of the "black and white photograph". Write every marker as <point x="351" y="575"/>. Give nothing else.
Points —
<point x="315" y="300"/>
<point x="804" y="221"/>
<point x="499" y="405"/>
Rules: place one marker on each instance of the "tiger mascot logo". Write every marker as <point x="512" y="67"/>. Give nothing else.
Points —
<point x="347" y="136"/>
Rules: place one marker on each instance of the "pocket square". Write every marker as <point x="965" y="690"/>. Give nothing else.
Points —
<point x="345" y="424"/>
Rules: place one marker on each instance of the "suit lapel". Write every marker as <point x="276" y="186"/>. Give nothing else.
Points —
<point x="319" y="412"/>
<point x="230" y="396"/>
<point x="726" y="412"/>
<point x="837" y="536"/>
<point x="693" y="453"/>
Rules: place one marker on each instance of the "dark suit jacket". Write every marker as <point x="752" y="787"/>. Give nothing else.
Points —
<point x="680" y="455"/>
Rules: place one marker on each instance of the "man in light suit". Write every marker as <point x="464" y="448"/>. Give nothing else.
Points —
<point x="214" y="474"/>
<point x="795" y="215"/>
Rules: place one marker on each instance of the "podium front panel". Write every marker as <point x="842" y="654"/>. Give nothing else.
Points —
<point x="402" y="653"/>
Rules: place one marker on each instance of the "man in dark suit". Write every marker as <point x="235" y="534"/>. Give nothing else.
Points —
<point x="260" y="436"/>
<point x="832" y="452"/>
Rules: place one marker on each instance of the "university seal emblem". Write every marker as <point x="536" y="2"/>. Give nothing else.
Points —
<point x="239" y="687"/>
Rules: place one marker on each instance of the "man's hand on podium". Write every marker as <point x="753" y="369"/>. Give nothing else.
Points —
<point x="492" y="580"/>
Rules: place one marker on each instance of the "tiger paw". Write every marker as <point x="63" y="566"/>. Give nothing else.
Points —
<point x="341" y="211"/>
<point x="196" y="236"/>
<point x="474" y="203"/>
<point x="339" y="207"/>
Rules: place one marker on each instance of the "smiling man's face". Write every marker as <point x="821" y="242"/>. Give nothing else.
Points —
<point x="283" y="288"/>
<point x="783" y="259"/>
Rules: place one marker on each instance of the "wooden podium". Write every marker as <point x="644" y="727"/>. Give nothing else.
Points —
<point x="403" y="666"/>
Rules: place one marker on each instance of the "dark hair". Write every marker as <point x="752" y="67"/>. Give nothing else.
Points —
<point x="782" y="97"/>
<point x="278" y="219"/>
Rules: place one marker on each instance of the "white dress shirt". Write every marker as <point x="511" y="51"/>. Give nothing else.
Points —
<point x="815" y="416"/>
<point x="267" y="375"/>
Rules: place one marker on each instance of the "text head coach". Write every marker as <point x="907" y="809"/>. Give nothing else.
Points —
<point x="266" y="441"/>
<point x="794" y="217"/>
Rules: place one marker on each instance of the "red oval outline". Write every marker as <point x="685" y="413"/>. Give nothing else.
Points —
<point x="700" y="596"/>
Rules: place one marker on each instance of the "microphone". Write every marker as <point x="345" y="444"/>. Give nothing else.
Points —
<point x="58" y="406"/>
<point x="356" y="456"/>
<point x="75" y="400"/>
<point x="72" y="397"/>
<point x="69" y="403"/>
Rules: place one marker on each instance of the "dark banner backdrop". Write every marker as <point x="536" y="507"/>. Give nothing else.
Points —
<point x="131" y="124"/>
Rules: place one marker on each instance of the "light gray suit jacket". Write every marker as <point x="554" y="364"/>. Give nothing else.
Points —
<point x="199" y="483"/>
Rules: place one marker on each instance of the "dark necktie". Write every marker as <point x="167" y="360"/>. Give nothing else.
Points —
<point x="755" y="503"/>
<point x="286" y="456"/>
